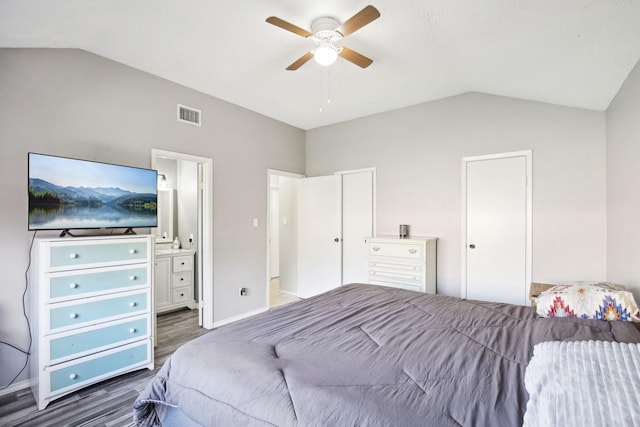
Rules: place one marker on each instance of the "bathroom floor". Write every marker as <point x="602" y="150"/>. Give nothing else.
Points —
<point x="276" y="297"/>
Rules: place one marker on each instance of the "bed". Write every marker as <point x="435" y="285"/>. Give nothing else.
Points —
<point x="363" y="355"/>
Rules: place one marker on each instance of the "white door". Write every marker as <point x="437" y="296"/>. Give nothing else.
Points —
<point x="357" y="225"/>
<point x="319" y="235"/>
<point x="497" y="228"/>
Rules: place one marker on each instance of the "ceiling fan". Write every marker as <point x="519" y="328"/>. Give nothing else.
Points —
<point x="325" y="33"/>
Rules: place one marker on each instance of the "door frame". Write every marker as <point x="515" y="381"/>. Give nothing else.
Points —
<point x="268" y="222"/>
<point x="528" y="155"/>
<point x="204" y="250"/>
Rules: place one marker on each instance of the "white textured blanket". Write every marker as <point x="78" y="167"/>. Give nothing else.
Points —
<point x="583" y="383"/>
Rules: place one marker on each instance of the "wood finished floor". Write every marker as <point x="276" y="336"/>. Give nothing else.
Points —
<point x="110" y="402"/>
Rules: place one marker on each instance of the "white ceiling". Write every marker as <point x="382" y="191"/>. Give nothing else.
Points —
<point x="569" y="52"/>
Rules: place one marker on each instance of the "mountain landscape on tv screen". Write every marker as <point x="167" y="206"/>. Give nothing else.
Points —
<point x="53" y="206"/>
<point x="43" y="193"/>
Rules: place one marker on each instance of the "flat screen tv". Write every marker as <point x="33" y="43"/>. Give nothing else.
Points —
<point x="67" y="194"/>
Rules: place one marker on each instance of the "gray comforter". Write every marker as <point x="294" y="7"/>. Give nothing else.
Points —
<point x="364" y="355"/>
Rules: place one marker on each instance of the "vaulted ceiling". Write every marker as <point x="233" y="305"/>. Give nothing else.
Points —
<point x="568" y="52"/>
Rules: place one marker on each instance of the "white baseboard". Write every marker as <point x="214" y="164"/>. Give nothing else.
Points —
<point x="240" y="317"/>
<point x="15" y="387"/>
<point x="293" y="294"/>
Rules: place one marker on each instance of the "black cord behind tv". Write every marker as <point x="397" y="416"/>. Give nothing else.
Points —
<point x="73" y="194"/>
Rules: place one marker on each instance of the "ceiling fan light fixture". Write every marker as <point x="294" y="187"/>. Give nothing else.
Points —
<point x="325" y="55"/>
<point x="326" y="32"/>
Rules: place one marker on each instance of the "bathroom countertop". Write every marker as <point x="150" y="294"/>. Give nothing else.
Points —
<point x="171" y="251"/>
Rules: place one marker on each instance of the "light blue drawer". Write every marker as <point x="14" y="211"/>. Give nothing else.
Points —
<point x="85" y="371"/>
<point x="77" y="285"/>
<point x="97" y="338"/>
<point x="103" y="253"/>
<point x="81" y="313"/>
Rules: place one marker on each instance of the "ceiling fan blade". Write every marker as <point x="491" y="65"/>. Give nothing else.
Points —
<point x="300" y="61"/>
<point x="359" y="20"/>
<point x="354" y="57"/>
<point x="288" y="26"/>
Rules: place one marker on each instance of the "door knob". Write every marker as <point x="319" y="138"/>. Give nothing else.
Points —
<point x="472" y="246"/>
<point x="337" y="239"/>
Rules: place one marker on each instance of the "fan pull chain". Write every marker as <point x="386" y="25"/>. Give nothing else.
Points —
<point x="321" y="87"/>
<point x="328" y="90"/>
<point x="328" y="87"/>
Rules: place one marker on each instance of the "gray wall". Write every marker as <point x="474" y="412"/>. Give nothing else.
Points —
<point x="418" y="150"/>
<point x="187" y="203"/>
<point x="72" y="103"/>
<point x="623" y="184"/>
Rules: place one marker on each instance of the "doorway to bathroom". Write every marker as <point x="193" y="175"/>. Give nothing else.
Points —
<point x="185" y="233"/>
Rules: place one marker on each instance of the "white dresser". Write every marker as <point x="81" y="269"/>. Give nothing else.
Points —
<point x="91" y="311"/>
<point x="403" y="263"/>
<point x="174" y="285"/>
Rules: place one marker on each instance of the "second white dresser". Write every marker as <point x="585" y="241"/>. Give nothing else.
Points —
<point x="403" y="263"/>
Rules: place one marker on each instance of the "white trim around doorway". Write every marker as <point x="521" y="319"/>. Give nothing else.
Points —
<point x="268" y="265"/>
<point x="205" y="242"/>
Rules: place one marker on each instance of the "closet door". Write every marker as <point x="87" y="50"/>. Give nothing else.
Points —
<point x="497" y="223"/>
<point x="357" y="225"/>
<point x="319" y="235"/>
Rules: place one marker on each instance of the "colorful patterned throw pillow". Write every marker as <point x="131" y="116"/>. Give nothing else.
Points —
<point x="588" y="300"/>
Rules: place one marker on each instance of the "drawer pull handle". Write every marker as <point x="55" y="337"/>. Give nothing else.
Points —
<point x="132" y="330"/>
<point x="182" y="279"/>
<point x="133" y="304"/>
<point x="132" y="277"/>
<point x="73" y="285"/>
<point x="73" y="316"/>
<point x="73" y="376"/>
<point x="413" y="251"/>
<point x="181" y="295"/>
<point x="132" y="251"/>
<point x="73" y="255"/>
<point x="182" y="263"/>
<point x="375" y="248"/>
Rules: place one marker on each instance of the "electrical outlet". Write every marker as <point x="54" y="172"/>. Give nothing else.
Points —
<point x="243" y="292"/>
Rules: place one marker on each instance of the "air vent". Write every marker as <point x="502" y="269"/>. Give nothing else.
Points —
<point x="189" y="115"/>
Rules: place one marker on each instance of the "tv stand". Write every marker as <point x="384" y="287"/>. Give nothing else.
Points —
<point x="66" y="232"/>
